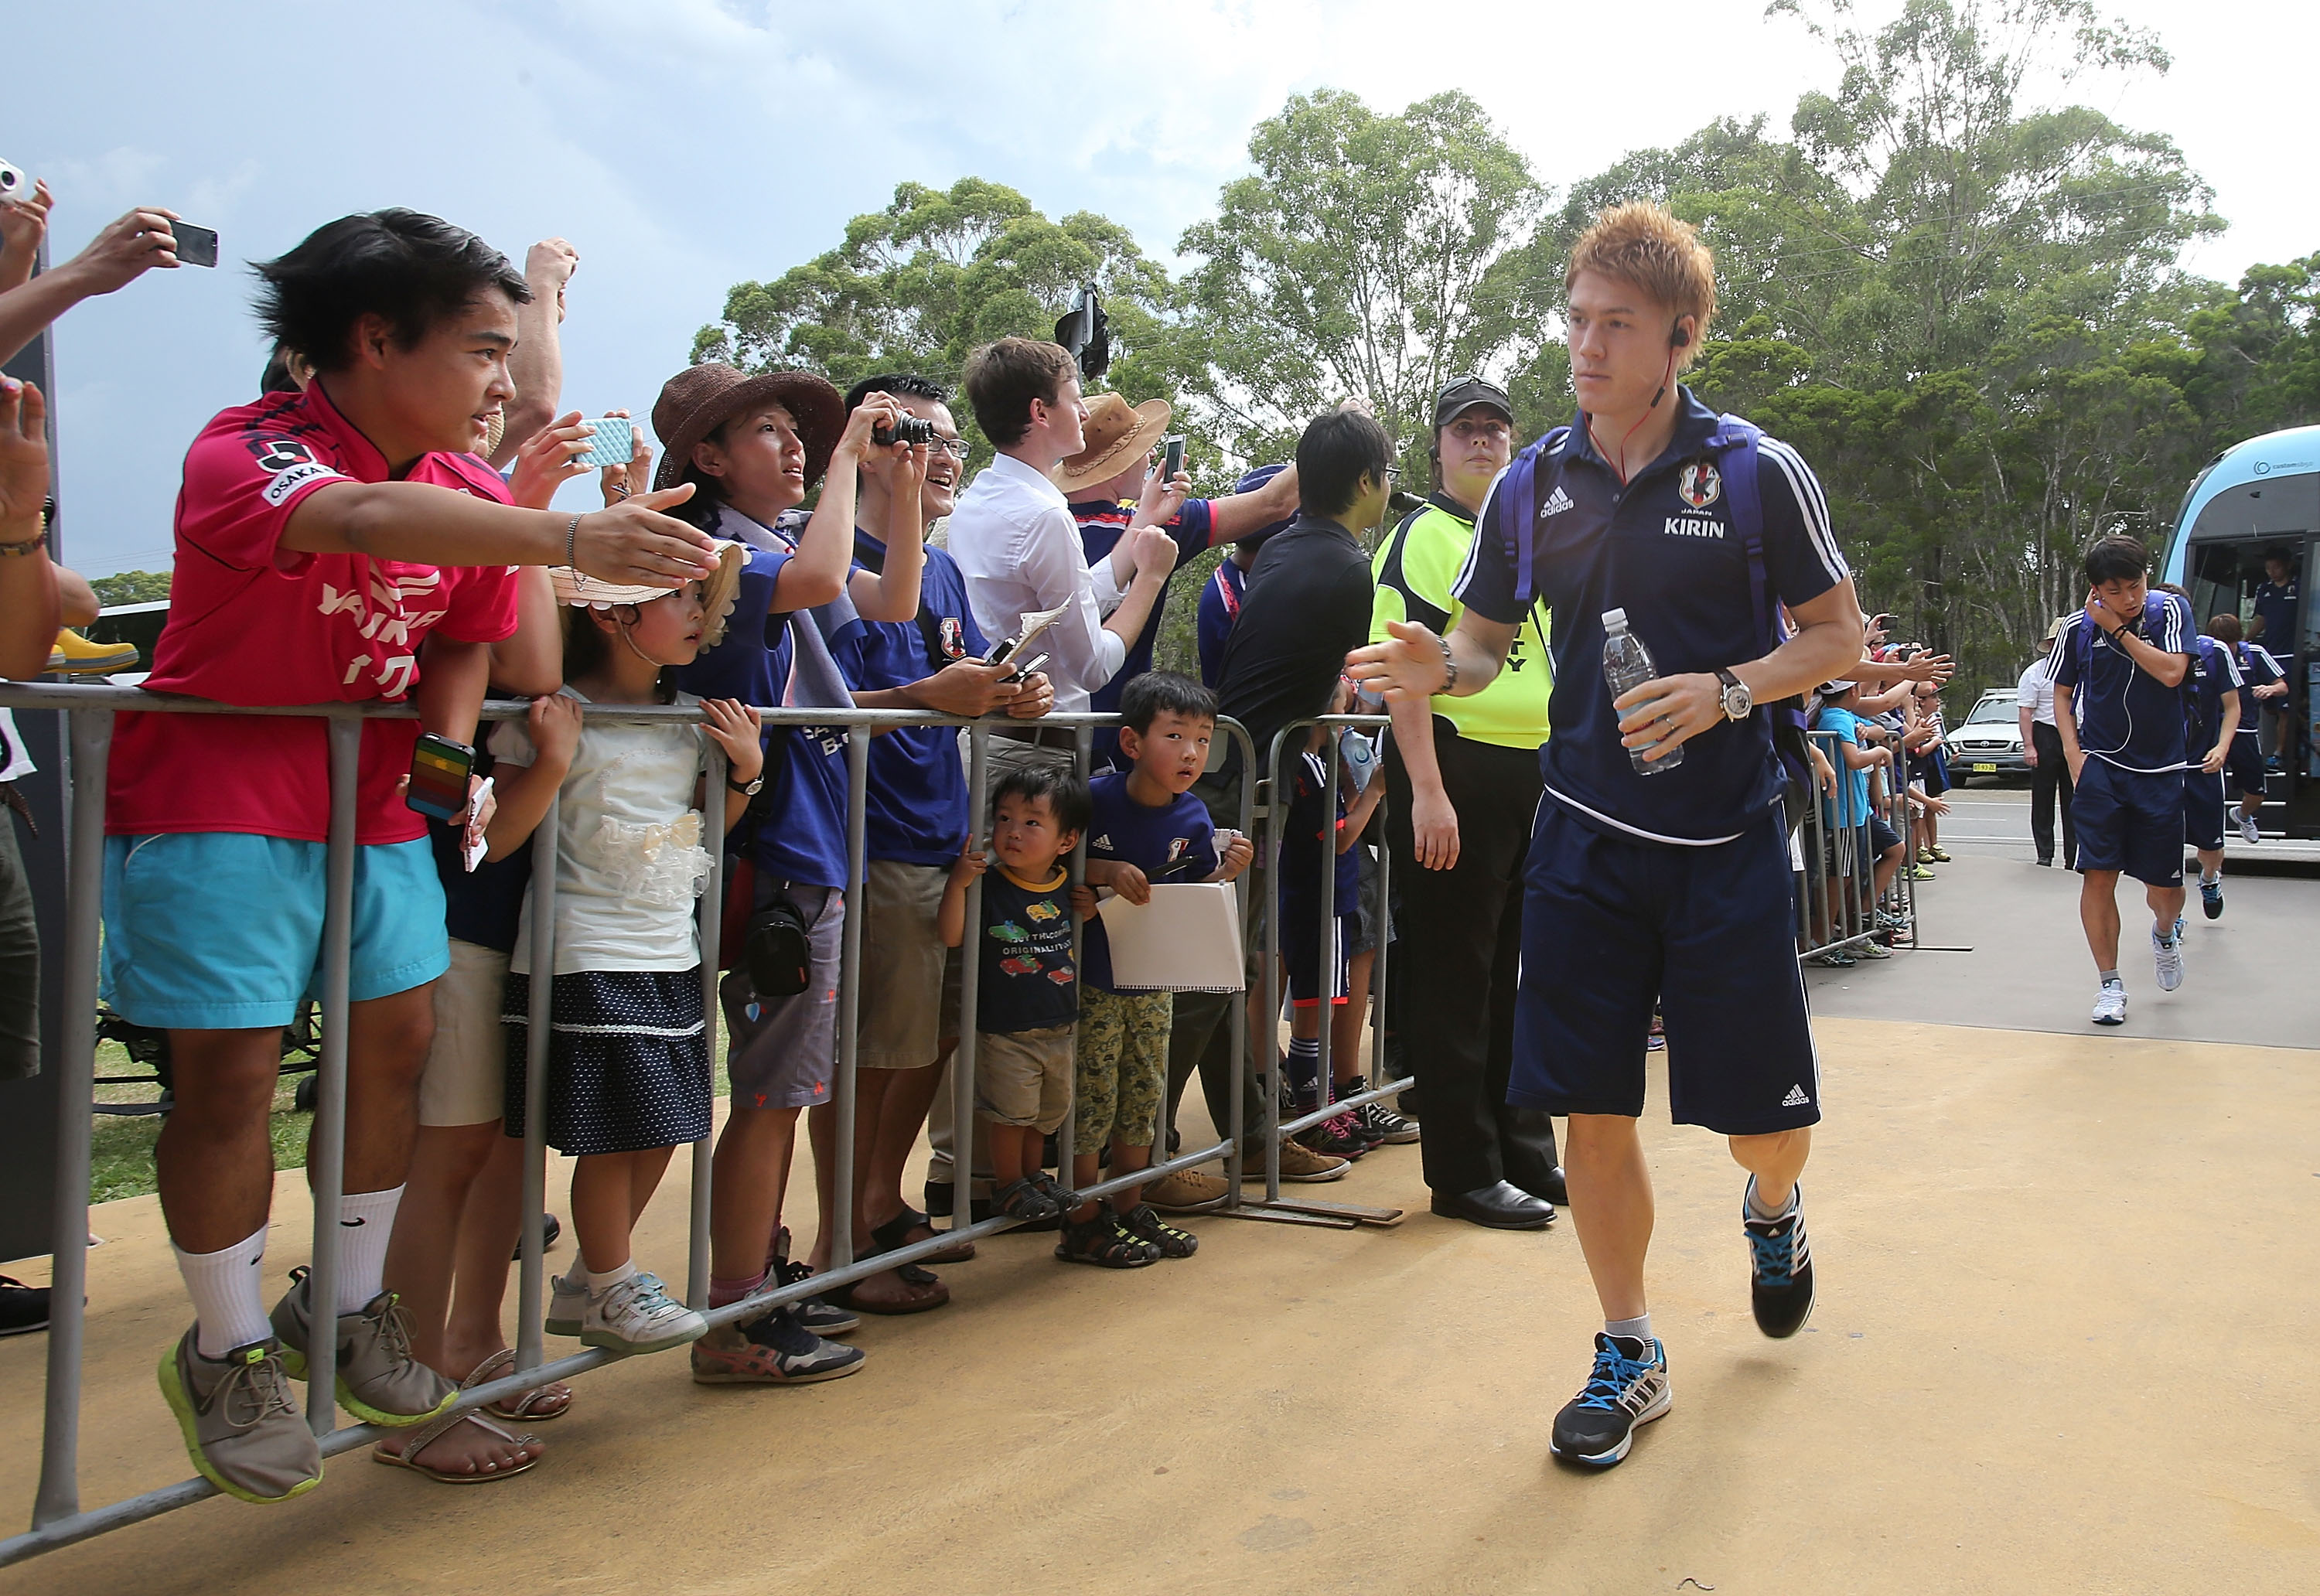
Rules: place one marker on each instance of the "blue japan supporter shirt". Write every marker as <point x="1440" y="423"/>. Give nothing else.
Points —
<point x="916" y="808"/>
<point x="2213" y="672"/>
<point x="2125" y="716"/>
<point x="1220" y="597"/>
<point x="1665" y="549"/>
<point x="802" y="837"/>
<point x="2275" y="606"/>
<point x="1851" y="786"/>
<point x="1101" y="522"/>
<point x="1172" y="842"/>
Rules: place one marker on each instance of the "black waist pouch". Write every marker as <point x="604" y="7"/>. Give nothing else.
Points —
<point x="778" y="950"/>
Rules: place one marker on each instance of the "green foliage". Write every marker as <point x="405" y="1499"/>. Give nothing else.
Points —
<point x="131" y="587"/>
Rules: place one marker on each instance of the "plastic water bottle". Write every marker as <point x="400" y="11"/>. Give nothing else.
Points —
<point x="1628" y="664"/>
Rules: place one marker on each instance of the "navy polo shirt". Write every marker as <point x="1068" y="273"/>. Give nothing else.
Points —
<point x="1220" y="597"/>
<point x="2213" y="672"/>
<point x="1174" y="842"/>
<point x="1101" y="522"/>
<point x="1663" y="548"/>
<point x="915" y="811"/>
<point x="2257" y="670"/>
<point x="2126" y="717"/>
<point x="2275" y="606"/>
<point x="802" y="837"/>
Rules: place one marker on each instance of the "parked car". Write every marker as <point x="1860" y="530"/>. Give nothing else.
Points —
<point x="1989" y="740"/>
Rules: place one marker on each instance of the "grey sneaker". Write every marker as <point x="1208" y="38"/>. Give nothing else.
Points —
<point x="242" y="1430"/>
<point x="568" y="1300"/>
<point x="639" y="1315"/>
<point x="2167" y="955"/>
<point x="378" y="1380"/>
<point x="2248" y="832"/>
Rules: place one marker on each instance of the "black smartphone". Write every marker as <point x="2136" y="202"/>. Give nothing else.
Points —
<point x="440" y="769"/>
<point x="196" y="246"/>
<point x="1172" y="459"/>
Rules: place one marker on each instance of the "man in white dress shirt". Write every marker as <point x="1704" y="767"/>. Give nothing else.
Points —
<point x="2042" y="748"/>
<point x="1013" y="536"/>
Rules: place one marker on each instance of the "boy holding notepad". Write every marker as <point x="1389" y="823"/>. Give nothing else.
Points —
<point x="1147" y="830"/>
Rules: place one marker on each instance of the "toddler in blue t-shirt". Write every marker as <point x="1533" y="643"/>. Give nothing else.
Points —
<point x="1147" y="828"/>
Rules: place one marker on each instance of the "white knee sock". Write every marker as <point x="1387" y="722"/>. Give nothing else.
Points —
<point x="366" y="1221"/>
<point x="227" y="1310"/>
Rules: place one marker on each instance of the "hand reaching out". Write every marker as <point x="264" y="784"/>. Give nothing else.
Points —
<point x="126" y="250"/>
<point x="24" y="460"/>
<point x="633" y="542"/>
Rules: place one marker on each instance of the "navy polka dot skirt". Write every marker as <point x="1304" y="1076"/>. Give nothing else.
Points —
<point x="628" y="1060"/>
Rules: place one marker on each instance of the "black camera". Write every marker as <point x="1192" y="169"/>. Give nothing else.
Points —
<point x="908" y="429"/>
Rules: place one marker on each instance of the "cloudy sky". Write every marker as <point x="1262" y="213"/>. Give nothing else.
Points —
<point x="686" y="145"/>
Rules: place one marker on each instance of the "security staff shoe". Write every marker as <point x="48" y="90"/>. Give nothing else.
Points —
<point x="242" y="1430"/>
<point x="75" y="656"/>
<point x="378" y="1381"/>
<point x="1780" y="1264"/>
<point x="1500" y="1207"/>
<point x="1626" y="1391"/>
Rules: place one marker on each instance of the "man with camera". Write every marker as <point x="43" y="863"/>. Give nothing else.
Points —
<point x="1462" y="786"/>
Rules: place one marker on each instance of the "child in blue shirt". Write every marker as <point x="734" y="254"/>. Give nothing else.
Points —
<point x="1147" y="828"/>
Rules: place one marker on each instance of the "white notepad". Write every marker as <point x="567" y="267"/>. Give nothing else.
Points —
<point x="1186" y="939"/>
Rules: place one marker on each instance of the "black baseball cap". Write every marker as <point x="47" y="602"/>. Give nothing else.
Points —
<point x="1462" y="393"/>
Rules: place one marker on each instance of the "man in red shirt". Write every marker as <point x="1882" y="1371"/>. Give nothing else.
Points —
<point x="317" y="562"/>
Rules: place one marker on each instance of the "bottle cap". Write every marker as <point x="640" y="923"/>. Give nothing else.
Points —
<point x="1613" y="620"/>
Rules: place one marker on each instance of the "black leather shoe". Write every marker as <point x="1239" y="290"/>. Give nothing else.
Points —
<point x="1501" y="1207"/>
<point x="1551" y="1189"/>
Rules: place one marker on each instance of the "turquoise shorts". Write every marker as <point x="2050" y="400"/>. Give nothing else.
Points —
<point x="222" y="931"/>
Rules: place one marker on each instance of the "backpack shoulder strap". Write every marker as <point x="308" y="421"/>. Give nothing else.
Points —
<point x="1522" y="484"/>
<point x="1734" y="442"/>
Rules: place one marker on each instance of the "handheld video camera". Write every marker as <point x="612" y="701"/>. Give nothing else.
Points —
<point x="1086" y="331"/>
<point x="908" y="429"/>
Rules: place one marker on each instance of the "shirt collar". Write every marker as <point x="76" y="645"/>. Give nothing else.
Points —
<point x="364" y="462"/>
<point x="1441" y="499"/>
<point x="1014" y="470"/>
<point x="1695" y="424"/>
<point x="1307" y="522"/>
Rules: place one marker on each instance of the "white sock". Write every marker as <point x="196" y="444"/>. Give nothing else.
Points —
<point x="1640" y="1327"/>
<point x="228" y="1311"/>
<point x="366" y="1221"/>
<point x="604" y="1280"/>
<point x="1757" y="1210"/>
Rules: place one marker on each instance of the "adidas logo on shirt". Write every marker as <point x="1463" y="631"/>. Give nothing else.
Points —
<point x="1103" y="842"/>
<point x="1556" y="502"/>
<point x="1796" y="1099"/>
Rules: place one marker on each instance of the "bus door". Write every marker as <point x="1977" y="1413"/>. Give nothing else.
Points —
<point x="2225" y="577"/>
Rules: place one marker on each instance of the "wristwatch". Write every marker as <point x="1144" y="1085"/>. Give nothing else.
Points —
<point x="1737" y="699"/>
<point x="749" y="790"/>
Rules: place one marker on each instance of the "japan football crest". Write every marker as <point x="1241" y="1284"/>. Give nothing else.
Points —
<point x="1700" y="485"/>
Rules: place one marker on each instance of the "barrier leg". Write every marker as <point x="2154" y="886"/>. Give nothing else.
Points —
<point x="58" y="1496"/>
<point x="530" y="1308"/>
<point x="962" y="1061"/>
<point x="849" y="990"/>
<point x="711" y="922"/>
<point x="327" y="1166"/>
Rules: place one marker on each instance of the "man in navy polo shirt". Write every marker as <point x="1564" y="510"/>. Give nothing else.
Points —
<point x="2277" y="601"/>
<point x="915" y="823"/>
<point x="2118" y="667"/>
<point x="1654" y="879"/>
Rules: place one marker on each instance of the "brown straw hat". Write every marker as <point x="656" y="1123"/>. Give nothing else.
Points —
<point x="1115" y="435"/>
<point x="700" y="399"/>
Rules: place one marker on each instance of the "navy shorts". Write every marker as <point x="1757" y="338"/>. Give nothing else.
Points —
<point x="1881" y="837"/>
<point x="2130" y="820"/>
<point x="2203" y="809"/>
<point x="2244" y="765"/>
<point x="1301" y="950"/>
<point x="1612" y="924"/>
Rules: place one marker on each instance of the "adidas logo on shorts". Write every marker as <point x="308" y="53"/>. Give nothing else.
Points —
<point x="1796" y="1099"/>
<point x="1556" y="502"/>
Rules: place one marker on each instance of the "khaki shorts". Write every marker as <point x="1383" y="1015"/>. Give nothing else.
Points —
<point x="466" y="1078"/>
<point x="910" y="980"/>
<point x="1024" y="1077"/>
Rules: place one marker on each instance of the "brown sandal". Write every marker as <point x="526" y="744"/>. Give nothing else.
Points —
<point x="536" y="1406"/>
<point x="426" y="1436"/>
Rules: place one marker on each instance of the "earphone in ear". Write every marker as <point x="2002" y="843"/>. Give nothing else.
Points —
<point x="1679" y="337"/>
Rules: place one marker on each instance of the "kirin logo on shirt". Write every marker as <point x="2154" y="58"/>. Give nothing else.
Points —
<point x="1699" y="484"/>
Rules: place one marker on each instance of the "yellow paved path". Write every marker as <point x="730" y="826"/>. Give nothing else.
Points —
<point x="2066" y="1342"/>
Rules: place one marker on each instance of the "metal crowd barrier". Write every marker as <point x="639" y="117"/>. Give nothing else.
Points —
<point x="1837" y="906"/>
<point x="58" y="1518"/>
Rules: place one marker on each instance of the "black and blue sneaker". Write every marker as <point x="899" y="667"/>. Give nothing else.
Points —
<point x="1780" y="1264"/>
<point x="1629" y="1387"/>
<point x="2211" y="898"/>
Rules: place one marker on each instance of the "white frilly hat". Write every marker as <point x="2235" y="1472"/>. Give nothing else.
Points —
<point x="581" y="591"/>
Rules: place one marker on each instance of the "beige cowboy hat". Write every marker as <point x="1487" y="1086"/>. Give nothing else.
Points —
<point x="1115" y="434"/>
<point x="2054" y="627"/>
<point x="581" y="591"/>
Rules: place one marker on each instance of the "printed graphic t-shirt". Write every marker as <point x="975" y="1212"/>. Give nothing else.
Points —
<point x="1024" y="977"/>
<point x="251" y="622"/>
<point x="1174" y="842"/>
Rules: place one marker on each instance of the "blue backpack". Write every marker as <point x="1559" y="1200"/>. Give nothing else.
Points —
<point x="1734" y="443"/>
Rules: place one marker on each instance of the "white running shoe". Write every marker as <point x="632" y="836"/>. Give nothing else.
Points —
<point x="2167" y="953"/>
<point x="638" y="1315"/>
<point x="2248" y="833"/>
<point x="2110" y="1004"/>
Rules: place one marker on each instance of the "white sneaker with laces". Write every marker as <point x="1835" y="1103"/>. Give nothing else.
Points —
<point x="638" y="1315"/>
<point x="2167" y="953"/>
<point x="2248" y="832"/>
<point x="2110" y="1004"/>
<point x="568" y="1301"/>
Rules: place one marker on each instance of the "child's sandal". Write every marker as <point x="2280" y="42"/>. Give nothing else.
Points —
<point x="1101" y="1241"/>
<point x="1144" y="1222"/>
<point x="1020" y="1200"/>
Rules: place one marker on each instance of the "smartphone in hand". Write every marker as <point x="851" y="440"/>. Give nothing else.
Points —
<point x="440" y="769"/>
<point x="196" y="246"/>
<point x="1172" y="458"/>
